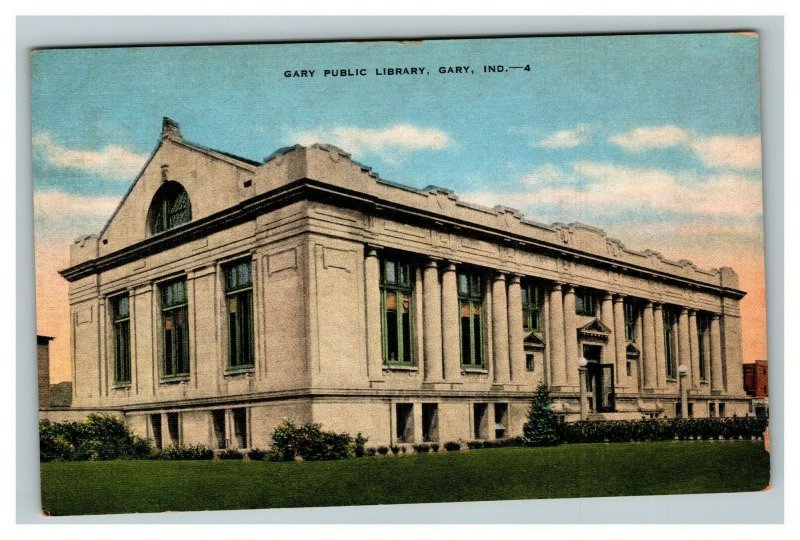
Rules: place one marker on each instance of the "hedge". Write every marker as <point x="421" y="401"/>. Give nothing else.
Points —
<point x="310" y="443"/>
<point x="98" y="438"/>
<point x="742" y="427"/>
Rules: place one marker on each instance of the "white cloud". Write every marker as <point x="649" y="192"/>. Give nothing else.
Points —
<point x="567" y="138"/>
<point x="544" y="175"/>
<point x="717" y="152"/>
<point x="54" y="204"/>
<point x="112" y="161"/>
<point x="611" y="188"/>
<point x="733" y="152"/>
<point x="384" y="141"/>
<point x="646" y="138"/>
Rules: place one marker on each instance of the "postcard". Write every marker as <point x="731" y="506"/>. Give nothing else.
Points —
<point x="383" y="272"/>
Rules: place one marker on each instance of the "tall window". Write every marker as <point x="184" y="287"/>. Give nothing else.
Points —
<point x="122" y="339"/>
<point x="170" y="208"/>
<point x="175" y="328"/>
<point x="702" y="332"/>
<point x="584" y="302"/>
<point x="629" y="309"/>
<point x="531" y="306"/>
<point x="239" y="302"/>
<point x="670" y="342"/>
<point x="396" y="298"/>
<point x="470" y="298"/>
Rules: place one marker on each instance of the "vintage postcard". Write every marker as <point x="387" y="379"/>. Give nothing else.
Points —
<point x="383" y="272"/>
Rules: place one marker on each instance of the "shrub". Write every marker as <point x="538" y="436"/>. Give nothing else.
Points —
<point x="422" y="448"/>
<point x="230" y="453"/>
<point x="192" y="452"/>
<point x="452" y="446"/>
<point x="358" y="445"/>
<point x="309" y="442"/>
<point x="395" y="449"/>
<point x="541" y="429"/>
<point x="370" y="452"/>
<point x="474" y="445"/>
<point x="434" y="447"/>
<point x="98" y="438"/>
<point x="383" y="450"/>
<point x="257" y="454"/>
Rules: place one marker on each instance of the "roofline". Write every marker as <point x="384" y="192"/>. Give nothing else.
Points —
<point x="307" y="189"/>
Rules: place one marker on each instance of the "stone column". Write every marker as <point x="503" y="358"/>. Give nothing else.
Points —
<point x="556" y="345"/>
<point x="716" y="355"/>
<point x="694" y="349"/>
<point x="648" y="347"/>
<point x="516" y="335"/>
<point x="571" y="353"/>
<point x="451" y="346"/>
<point x="619" y="337"/>
<point x="610" y="349"/>
<point x="433" y="323"/>
<point x="684" y="353"/>
<point x="661" y="358"/>
<point x="372" y="293"/>
<point x="502" y="369"/>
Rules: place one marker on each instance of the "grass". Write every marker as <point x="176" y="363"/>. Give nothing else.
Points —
<point x="580" y="470"/>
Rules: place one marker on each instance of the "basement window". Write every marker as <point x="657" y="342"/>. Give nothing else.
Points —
<point x="405" y="422"/>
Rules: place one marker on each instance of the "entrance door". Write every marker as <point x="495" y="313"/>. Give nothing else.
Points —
<point x="600" y="382"/>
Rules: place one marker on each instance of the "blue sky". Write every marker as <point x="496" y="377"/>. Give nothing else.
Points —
<point x="653" y="138"/>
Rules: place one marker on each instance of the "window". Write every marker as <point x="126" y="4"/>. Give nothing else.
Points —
<point x="584" y="302"/>
<point x="396" y="307"/>
<point x="721" y="409"/>
<point x="500" y="420"/>
<point x="173" y="428"/>
<point x="239" y="303"/>
<point x="174" y="322"/>
<point x="218" y="420"/>
<point x="670" y="342"/>
<point x="531" y="306"/>
<point x="481" y="420"/>
<point x="470" y="298"/>
<point x="155" y="427"/>
<point x="122" y="339"/>
<point x="628" y="369"/>
<point x="430" y="422"/>
<point x="170" y="208"/>
<point x="405" y="422"/>
<point x="629" y="310"/>
<point x="712" y="409"/>
<point x="702" y="333"/>
<point x="240" y="427"/>
<point x="528" y="362"/>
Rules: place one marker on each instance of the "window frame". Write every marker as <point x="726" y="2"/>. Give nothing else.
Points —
<point x="401" y="286"/>
<point x="472" y="297"/>
<point x="585" y="303"/>
<point x="121" y="330"/>
<point x="670" y="343"/>
<point x="179" y="308"/>
<point x="240" y="292"/>
<point x="532" y="294"/>
<point x="629" y="317"/>
<point x="163" y="215"/>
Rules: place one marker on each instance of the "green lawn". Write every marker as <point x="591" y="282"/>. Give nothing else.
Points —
<point x="581" y="470"/>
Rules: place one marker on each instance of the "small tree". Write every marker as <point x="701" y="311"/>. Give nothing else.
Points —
<point x="541" y="429"/>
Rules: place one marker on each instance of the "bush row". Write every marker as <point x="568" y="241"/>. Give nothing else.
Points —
<point x="745" y="427"/>
<point x="98" y="438"/>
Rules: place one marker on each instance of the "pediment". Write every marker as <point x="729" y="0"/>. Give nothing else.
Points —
<point x="594" y="330"/>
<point x="533" y="341"/>
<point x="632" y="352"/>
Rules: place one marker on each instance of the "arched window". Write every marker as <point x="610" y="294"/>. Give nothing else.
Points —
<point x="170" y="208"/>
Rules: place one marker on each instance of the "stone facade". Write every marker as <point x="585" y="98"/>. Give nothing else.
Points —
<point x="43" y="367"/>
<point x="376" y="308"/>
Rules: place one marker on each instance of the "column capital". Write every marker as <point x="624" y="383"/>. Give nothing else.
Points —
<point x="619" y="297"/>
<point x="692" y="312"/>
<point x="499" y="276"/>
<point x="607" y="296"/>
<point x="556" y="286"/>
<point x="432" y="263"/>
<point x="715" y="316"/>
<point x="514" y="278"/>
<point x="371" y="250"/>
<point x="658" y="305"/>
<point x="684" y="309"/>
<point x="449" y="266"/>
<point x="648" y="304"/>
<point x="569" y="288"/>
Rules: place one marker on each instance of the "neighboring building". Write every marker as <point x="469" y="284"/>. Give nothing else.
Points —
<point x="43" y="366"/>
<point x="225" y="295"/>
<point x="755" y="379"/>
<point x="756" y="385"/>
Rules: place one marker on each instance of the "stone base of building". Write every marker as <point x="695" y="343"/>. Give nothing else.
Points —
<point x="383" y="420"/>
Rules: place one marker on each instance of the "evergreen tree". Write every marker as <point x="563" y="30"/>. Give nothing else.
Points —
<point x="541" y="429"/>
